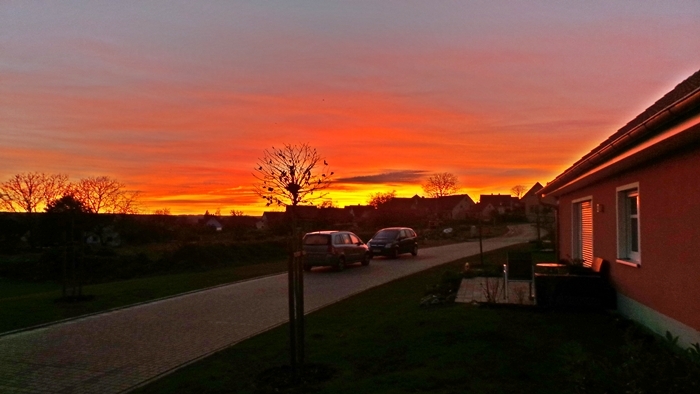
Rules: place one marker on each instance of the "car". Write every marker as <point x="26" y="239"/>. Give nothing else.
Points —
<point x="334" y="248"/>
<point x="393" y="241"/>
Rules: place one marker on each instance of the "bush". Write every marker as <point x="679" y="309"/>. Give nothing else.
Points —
<point x="103" y="264"/>
<point x="646" y="366"/>
<point x="444" y="291"/>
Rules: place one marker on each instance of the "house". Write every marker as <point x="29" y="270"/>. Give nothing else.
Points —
<point x="214" y="223"/>
<point x="359" y="213"/>
<point x="270" y="220"/>
<point x="531" y="202"/>
<point x="455" y="207"/>
<point x="501" y="202"/>
<point x="634" y="201"/>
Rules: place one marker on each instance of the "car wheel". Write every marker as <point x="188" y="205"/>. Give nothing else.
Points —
<point x="341" y="264"/>
<point x="366" y="259"/>
<point x="394" y="253"/>
<point x="414" y="252"/>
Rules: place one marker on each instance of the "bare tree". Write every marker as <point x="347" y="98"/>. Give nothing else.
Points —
<point x="288" y="175"/>
<point x="440" y="185"/>
<point x="28" y="191"/>
<point x="328" y="204"/>
<point x="379" y="198"/>
<point x="236" y="213"/>
<point x="103" y="194"/>
<point x="163" y="211"/>
<point x="518" y="190"/>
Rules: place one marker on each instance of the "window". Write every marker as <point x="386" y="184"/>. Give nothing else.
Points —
<point x="583" y="231"/>
<point x="628" y="241"/>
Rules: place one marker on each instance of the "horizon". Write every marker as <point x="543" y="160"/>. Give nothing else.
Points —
<point x="178" y="100"/>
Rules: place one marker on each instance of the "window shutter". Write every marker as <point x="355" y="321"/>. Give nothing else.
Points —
<point x="587" y="233"/>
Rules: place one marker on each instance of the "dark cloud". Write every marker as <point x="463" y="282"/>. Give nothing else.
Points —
<point x="404" y="176"/>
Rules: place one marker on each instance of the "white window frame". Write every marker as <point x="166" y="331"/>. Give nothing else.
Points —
<point x="576" y="234"/>
<point x="625" y="254"/>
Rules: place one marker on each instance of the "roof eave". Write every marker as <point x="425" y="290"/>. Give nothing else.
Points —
<point x="667" y="117"/>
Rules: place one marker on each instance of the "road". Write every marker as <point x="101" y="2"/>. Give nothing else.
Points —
<point x="116" y="351"/>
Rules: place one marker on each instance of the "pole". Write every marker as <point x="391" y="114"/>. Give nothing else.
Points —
<point x="292" y="313"/>
<point x="481" y="245"/>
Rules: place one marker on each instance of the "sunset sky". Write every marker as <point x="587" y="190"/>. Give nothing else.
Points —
<point x="178" y="99"/>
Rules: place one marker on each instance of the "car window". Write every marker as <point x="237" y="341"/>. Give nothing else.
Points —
<point x="316" y="239"/>
<point x="404" y="234"/>
<point x="338" y="239"/>
<point x="346" y="239"/>
<point x="386" y="234"/>
<point x="354" y="239"/>
<point x="412" y="233"/>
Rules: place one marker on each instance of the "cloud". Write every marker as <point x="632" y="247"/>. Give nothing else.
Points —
<point x="390" y="177"/>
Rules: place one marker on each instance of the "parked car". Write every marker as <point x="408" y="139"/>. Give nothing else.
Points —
<point x="393" y="241"/>
<point x="334" y="248"/>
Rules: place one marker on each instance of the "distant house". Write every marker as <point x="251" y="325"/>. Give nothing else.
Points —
<point x="402" y="204"/>
<point x="359" y="212"/>
<point x="213" y="223"/>
<point x="240" y="222"/>
<point x="455" y="207"/>
<point x="499" y="203"/>
<point x="531" y="202"/>
<point x="634" y="201"/>
<point x="270" y="220"/>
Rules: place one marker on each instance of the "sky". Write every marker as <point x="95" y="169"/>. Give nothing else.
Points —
<point x="178" y="99"/>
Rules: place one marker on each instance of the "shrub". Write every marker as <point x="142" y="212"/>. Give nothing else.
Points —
<point x="646" y="366"/>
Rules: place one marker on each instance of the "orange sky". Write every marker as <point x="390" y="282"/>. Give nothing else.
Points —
<point x="178" y="99"/>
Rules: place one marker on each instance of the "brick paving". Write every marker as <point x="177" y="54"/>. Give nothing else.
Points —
<point x="116" y="351"/>
<point x="478" y="289"/>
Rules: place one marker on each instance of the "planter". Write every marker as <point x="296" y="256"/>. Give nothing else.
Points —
<point x="571" y="291"/>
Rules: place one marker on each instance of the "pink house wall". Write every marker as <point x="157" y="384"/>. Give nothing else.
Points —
<point x="668" y="280"/>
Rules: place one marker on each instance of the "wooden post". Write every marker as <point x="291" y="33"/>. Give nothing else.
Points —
<point x="481" y="246"/>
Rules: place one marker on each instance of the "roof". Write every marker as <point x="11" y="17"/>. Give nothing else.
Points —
<point x="497" y="199"/>
<point x="533" y="190"/>
<point x="681" y="103"/>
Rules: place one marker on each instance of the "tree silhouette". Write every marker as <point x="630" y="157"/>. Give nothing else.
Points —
<point x="66" y="204"/>
<point x="103" y="194"/>
<point x="68" y="216"/>
<point x="377" y="199"/>
<point x="27" y="191"/>
<point x="518" y="190"/>
<point x="440" y="185"/>
<point x="288" y="176"/>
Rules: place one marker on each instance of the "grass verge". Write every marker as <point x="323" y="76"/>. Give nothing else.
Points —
<point x="381" y="341"/>
<point x="24" y="304"/>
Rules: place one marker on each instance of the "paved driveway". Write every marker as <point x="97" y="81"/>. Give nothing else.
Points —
<point x="116" y="351"/>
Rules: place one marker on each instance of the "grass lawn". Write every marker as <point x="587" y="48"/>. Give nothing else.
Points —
<point x="381" y="341"/>
<point x="24" y="304"/>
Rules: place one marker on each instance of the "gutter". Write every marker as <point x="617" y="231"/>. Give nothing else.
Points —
<point x="679" y="108"/>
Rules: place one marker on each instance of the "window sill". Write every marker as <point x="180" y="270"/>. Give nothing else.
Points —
<point x="629" y="263"/>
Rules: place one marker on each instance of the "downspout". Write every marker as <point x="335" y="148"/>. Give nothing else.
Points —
<point x="555" y="207"/>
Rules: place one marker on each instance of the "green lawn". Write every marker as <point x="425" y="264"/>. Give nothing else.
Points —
<point x="381" y="341"/>
<point x="24" y="304"/>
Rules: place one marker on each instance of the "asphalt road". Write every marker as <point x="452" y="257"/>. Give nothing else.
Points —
<point x="117" y="351"/>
